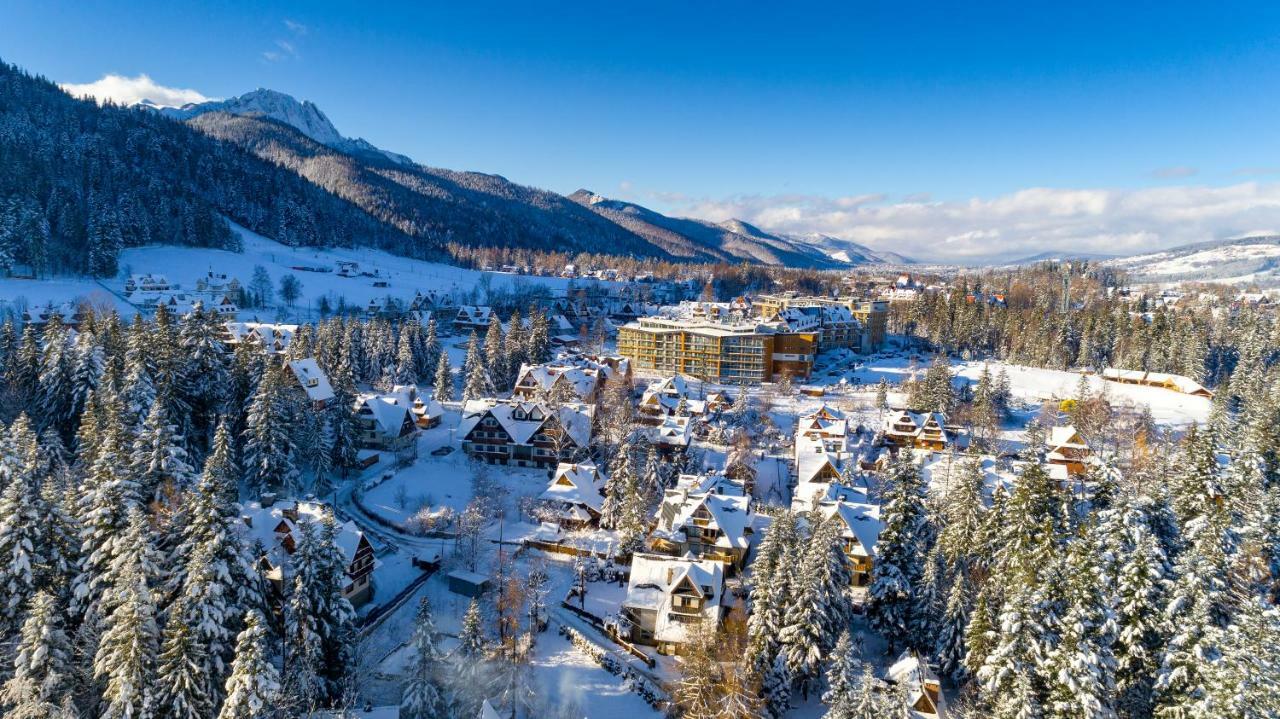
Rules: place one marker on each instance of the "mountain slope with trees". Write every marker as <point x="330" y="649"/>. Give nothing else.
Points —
<point x="79" y="182"/>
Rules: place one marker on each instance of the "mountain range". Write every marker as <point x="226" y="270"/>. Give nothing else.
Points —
<point x="484" y="209"/>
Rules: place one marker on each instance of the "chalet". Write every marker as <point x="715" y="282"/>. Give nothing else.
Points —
<point x="860" y="529"/>
<point x="312" y="381"/>
<point x="920" y="430"/>
<point x="673" y="434"/>
<point x="923" y="690"/>
<point x="473" y="318"/>
<point x="1174" y="382"/>
<point x="386" y="421"/>
<point x="1067" y="448"/>
<point x="718" y="401"/>
<point x="575" y="495"/>
<point x="427" y="412"/>
<point x="274" y="338"/>
<point x="558" y="380"/>
<point x="818" y="459"/>
<point x="696" y="521"/>
<point x="216" y="282"/>
<point x="669" y="397"/>
<point x="666" y="596"/>
<point x="825" y="422"/>
<point x="278" y="529"/>
<point x="525" y="434"/>
<point x="147" y="283"/>
<point x="69" y="314"/>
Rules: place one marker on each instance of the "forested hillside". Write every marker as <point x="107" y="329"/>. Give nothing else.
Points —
<point x="78" y="182"/>
<point x="437" y="205"/>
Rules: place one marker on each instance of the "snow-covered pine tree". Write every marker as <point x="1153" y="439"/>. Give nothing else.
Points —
<point x="89" y="363"/>
<point x="769" y="582"/>
<point x="899" y="555"/>
<point x="494" y="359"/>
<point x="618" y="487"/>
<point x="477" y="382"/>
<point x="54" y="380"/>
<point x="23" y="555"/>
<point x="1008" y="677"/>
<point x="424" y="691"/>
<point x="431" y="349"/>
<point x="336" y="615"/>
<point x="202" y="376"/>
<point x="843" y="672"/>
<point x="125" y="661"/>
<point x="159" y="460"/>
<point x="1082" y="667"/>
<point x="443" y="383"/>
<point x="107" y="496"/>
<point x="1138" y="570"/>
<point x="253" y="689"/>
<point x="181" y="687"/>
<point x="472" y="676"/>
<point x="40" y="685"/>
<point x="343" y="423"/>
<point x="406" y="366"/>
<point x="268" y="444"/>
<point x="538" y="343"/>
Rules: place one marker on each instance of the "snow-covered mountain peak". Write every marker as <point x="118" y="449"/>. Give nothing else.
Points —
<point x="302" y="115"/>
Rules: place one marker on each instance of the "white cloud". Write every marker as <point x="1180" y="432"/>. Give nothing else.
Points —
<point x="1018" y="224"/>
<point x="296" y="27"/>
<point x="128" y="90"/>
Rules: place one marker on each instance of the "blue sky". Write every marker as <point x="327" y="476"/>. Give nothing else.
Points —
<point x="837" y="117"/>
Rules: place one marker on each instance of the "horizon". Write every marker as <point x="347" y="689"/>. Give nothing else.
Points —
<point x="950" y="137"/>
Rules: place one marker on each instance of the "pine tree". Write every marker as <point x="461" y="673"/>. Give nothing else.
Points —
<point x="477" y="378"/>
<point x="107" y="497"/>
<point x="406" y="367"/>
<point x="843" y="673"/>
<point x="55" y="380"/>
<point x="253" y="689"/>
<point x="494" y="359"/>
<point x="23" y="558"/>
<point x="424" y="692"/>
<point x="268" y="444"/>
<point x="41" y="682"/>
<point x="202" y="377"/>
<point x="159" y="459"/>
<point x="1082" y="665"/>
<point x="343" y="423"/>
<point x="443" y="379"/>
<point x="898" y="568"/>
<point x="538" y="343"/>
<point x="471" y="679"/>
<point x="181" y="687"/>
<point x="126" y="657"/>
<point x="1008" y="675"/>
<point x="431" y="350"/>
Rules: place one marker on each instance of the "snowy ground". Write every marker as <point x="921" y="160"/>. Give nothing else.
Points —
<point x="185" y="265"/>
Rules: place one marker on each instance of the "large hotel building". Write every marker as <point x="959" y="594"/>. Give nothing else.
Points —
<point x="717" y="351"/>
<point x="783" y="340"/>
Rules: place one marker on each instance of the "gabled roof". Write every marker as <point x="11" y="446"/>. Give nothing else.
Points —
<point x="389" y="411"/>
<point x="574" y="417"/>
<point x="1065" y="437"/>
<point x="914" y="674"/>
<point x="580" y="483"/>
<point x="312" y="379"/>
<point x="731" y="514"/>
<point x="653" y="580"/>
<point x="583" y="380"/>
<point x="861" y="522"/>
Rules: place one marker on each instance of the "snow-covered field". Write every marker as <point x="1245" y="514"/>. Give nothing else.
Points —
<point x="185" y="265"/>
<point x="1229" y="264"/>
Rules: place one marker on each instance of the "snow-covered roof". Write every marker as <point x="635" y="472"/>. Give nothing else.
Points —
<point x="730" y="514"/>
<point x="261" y="523"/>
<point x="916" y="676"/>
<point x="576" y="484"/>
<point x="312" y="378"/>
<point x="808" y="495"/>
<point x="1186" y="385"/>
<point x="521" y="420"/>
<point x="674" y="431"/>
<point x="582" y="380"/>
<point x="387" y="410"/>
<point x="861" y="521"/>
<point x="654" y="578"/>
